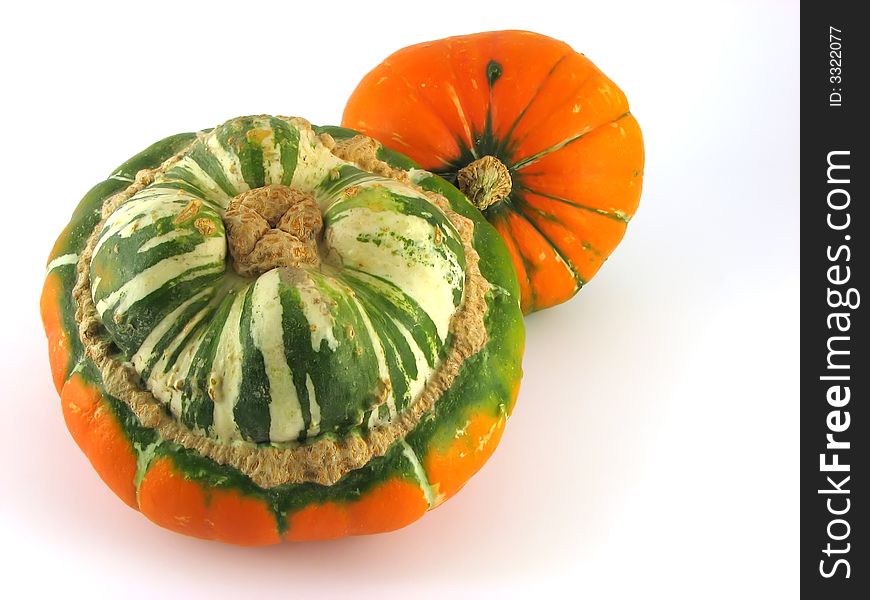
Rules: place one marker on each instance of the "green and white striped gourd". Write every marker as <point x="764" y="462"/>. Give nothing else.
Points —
<point x="360" y="369"/>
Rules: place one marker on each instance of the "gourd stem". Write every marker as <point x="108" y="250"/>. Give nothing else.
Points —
<point x="485" y="182"/>
<point x="272" y="226"/>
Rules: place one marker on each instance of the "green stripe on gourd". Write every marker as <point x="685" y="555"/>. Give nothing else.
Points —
<point x="295" y="352"/>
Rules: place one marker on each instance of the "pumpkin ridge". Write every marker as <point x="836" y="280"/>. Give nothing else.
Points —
<point x="460" y="102"/>
<point x="425" y="102"/>
<point x="192" y="318"/>
<point x="542" y="262"/>
<point x="567" y="141"/>
<point x="544" y="215"/>
<point x="567" y="98"/>
<point x="558" y="232"/>
<point x="501" y="222"/>
<point x="622" y="218"/>
<point x="422" y="102"/>
<point x="508" y="137"/>
<point x="564" y="259"/>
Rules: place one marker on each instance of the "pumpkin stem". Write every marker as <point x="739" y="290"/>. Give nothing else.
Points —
<point x="485" y="182"/>
<point x="272" y="226"/>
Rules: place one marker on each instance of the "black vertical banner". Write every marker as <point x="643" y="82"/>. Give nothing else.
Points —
<point x="835" y="349"/>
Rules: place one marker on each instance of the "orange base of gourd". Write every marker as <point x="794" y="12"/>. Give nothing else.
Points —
<point x="177" y="503"/>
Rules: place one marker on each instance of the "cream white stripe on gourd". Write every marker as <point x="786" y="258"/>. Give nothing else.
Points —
<point x="416" y="385"/>
<point x="267" y="333"/>
<point x="419" y="280"/>
<point x="454" y="97"/>
<point x="391" y="185"/>
<point x="165" y="380"/>
<point x="316" y="311"/>
<point x="151" y="203"/>
<point x="419" y="472"/>
<point x="314" y="163"/>
<point x="313" y="407"/>
<point x="156" y="276"/>
<point x="380" y="356"/>
<point x="232" y="168"/>
<point x="226" y="374"/>
<point x="60" y="261"/>
<point x="203" y="181"/>
<point x="162" y="239"/>
<point x="272" y="165"/>
<point x="143" y="355"/>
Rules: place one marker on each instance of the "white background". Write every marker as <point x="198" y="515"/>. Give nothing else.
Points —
<point x="654" y="448"/>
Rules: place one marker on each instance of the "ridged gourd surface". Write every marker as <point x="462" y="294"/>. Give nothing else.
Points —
<point x="375" y="309"/>
<point x="293" y="352"/>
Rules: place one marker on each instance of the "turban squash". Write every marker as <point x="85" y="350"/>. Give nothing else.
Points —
<point x="531" y="131"/>
<point x="274" y="331"/>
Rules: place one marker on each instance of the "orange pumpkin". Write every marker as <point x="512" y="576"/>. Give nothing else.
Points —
<point x="531" y="131"/>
